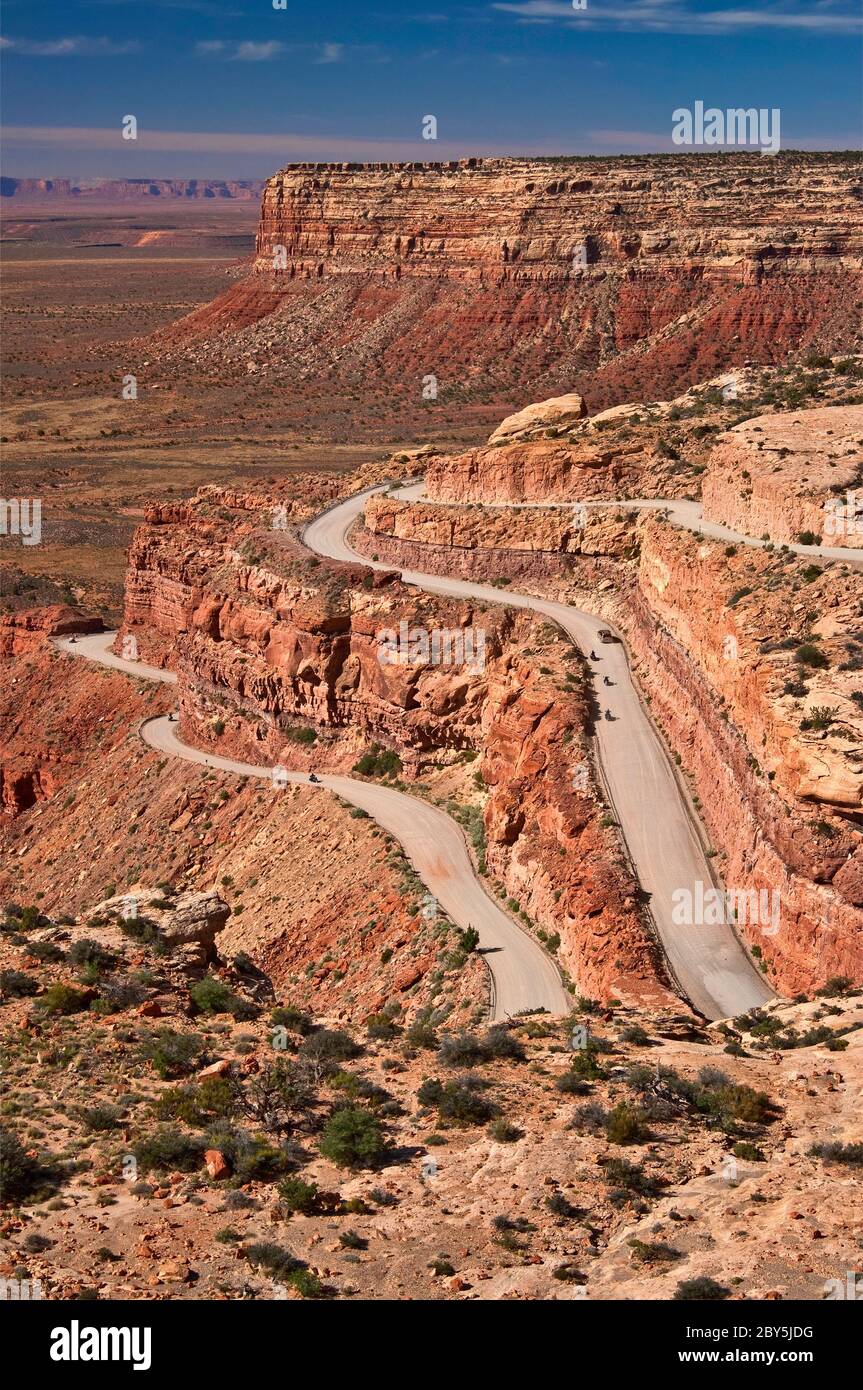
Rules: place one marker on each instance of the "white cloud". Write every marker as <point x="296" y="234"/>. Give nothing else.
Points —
<point x="249" y="52"/>
<point x="675" y="16"/>
<point x="77" y="47"/>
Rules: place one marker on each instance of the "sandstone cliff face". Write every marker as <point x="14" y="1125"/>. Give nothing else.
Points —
<point x="262" y="647"/>
<point x="714" y="638"/>
<point x="783" y="801"/>
<point x="474" y="272"/>
<point x="539" y="470"/>
<point x="552" y="530"/>
<point x="317" y="898"/>
<point x="548" y="452"/>
<point x="524" y="219"/>
<point x="25" y="631"/>
<point x="790" y="474"/>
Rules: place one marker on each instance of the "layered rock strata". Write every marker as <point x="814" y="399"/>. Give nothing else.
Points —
<point x="273" y="649"/>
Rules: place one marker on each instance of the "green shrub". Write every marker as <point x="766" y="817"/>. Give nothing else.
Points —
<point x="63" y="999"/>
<point x="197" y="1103"/>
<point x="275" y="1259"/>
<point x="295" y="1020"/>
<point x="421" y="1033"/>
<point x="469" y="1049"/>
<point x="307" y="1284"/>
<point x="297" y="1195"/>
<point x="23" y="1178"/>
<point x="629" y="1176"/>
<point x="18" y="983"/>
<point x="589" y="1119"/>
<point x="559" y="1205"/>
<point x="635" y="1034"/>
<point x="212" y="996"/>
<point x="849" y="1154"/>
<point x="329" y="1045"/>
<point x="352" y="1240"/>
<point x="652" y="1252"/>
<point x="381" y="1028"/>
<point x="750" y="1152"/>
<point x="378" y="762"/>
<point x="169" y="1148"/>
<point x="462" y="1103"/>
<point x="172" y="1054"/>
<point x="807" y="654"/>
<point x="101" y="1117"/>
<point x="253" y="1157"/>
<point x="45" y="951"/>
<point x="87" y="952"/>
<point x="700" y="1290"/>
<point x="836" y="985"/>
<point x="625" y="1125"/>
<point x="352" y="1138"/>
<point x="304" y="735"/>
<point x="502" y="1132"/>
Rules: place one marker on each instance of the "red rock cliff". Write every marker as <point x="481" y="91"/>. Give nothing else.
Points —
<point x="625" y="277"/>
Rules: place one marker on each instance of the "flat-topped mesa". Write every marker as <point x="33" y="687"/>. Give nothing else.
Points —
<point x="568" y="219"/>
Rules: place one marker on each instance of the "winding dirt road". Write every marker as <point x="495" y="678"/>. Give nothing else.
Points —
<point x="681" y="512"/>
<point x="523" y="976"/>
<point x="657" y="821"/>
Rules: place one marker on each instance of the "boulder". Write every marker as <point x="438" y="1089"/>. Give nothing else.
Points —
<point x="196" y="919"/>
<point x="559" y="410"/>
<point x="217" y="1165"/>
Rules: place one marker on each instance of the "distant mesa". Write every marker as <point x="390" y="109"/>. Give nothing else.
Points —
<point x="131" y="190"/>
<point x="620" y="279"/>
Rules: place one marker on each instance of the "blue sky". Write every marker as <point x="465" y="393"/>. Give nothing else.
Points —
<point x="234" y="88"/>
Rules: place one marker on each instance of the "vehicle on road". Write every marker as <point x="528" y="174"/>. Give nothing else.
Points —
<point x="313" y="778"/>
<point x="605" y="636"/>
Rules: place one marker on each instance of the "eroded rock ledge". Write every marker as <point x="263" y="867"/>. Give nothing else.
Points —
<point x="267" y="641"/>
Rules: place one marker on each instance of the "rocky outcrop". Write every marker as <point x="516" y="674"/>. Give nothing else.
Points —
<point x="195" y="920"/>
<point x="551" y="414"/>
<point x="617" y="278"/>
<point x="774" y="746"/>
<point x="279" y="659"/>
<point x="26" y="630"/>
<point x="791" y="476"/>
<point x="540" y="470"/>
<point x="521" y="220"/>
<point x="550" y="530"/>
